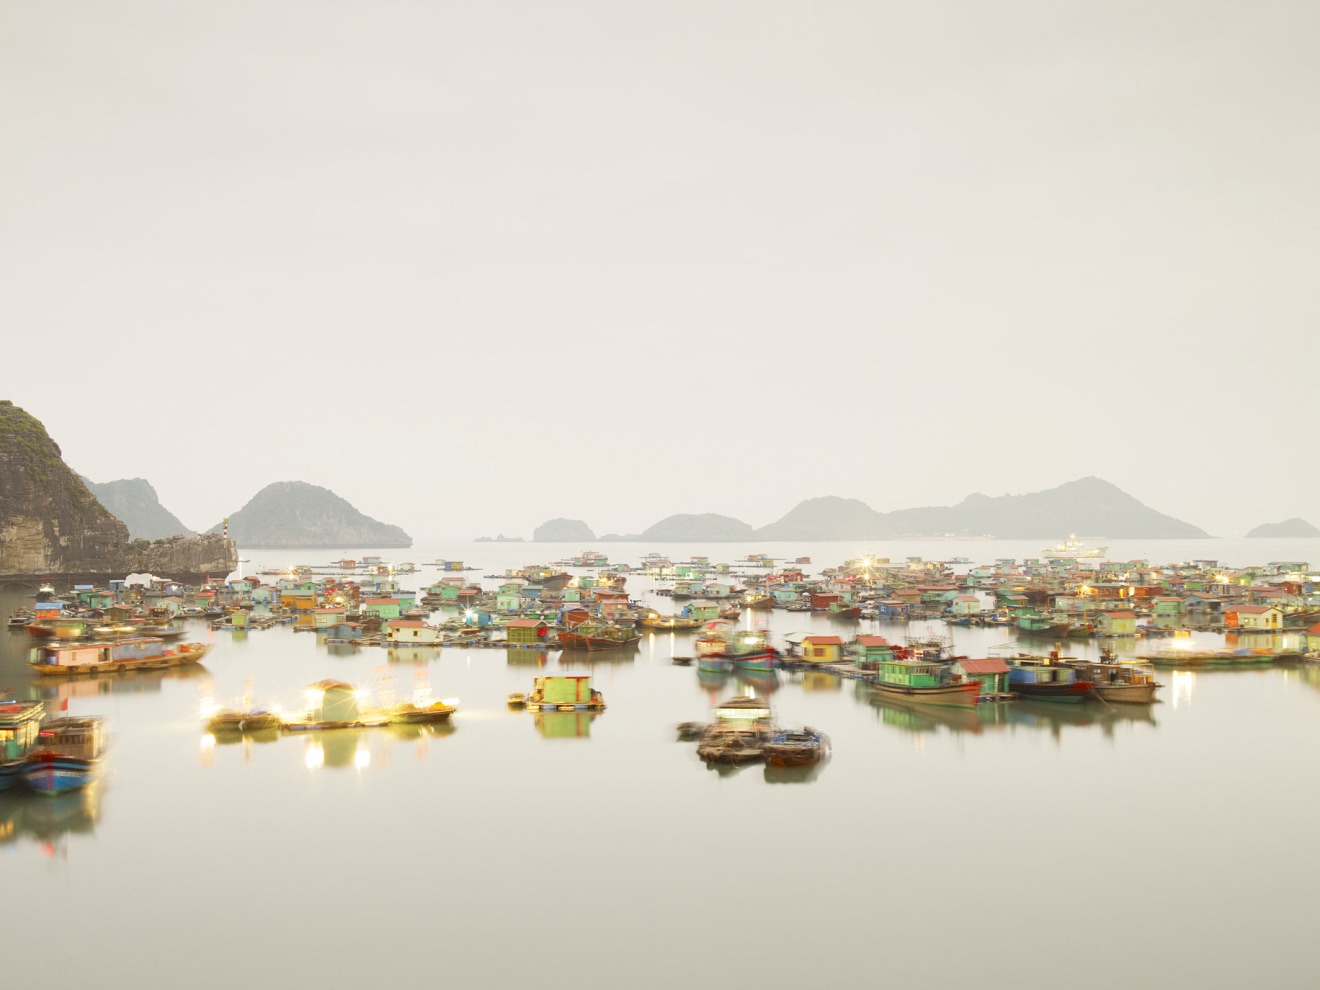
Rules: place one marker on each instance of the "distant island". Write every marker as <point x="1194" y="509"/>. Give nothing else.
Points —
<point x="135" y="502"/>
<point x="498" y="539"/>
<point x="1288" y="529"/>
<point x="296" y="515"/>
<point x="564" y="531"/>
<point x="1088" y="505"/>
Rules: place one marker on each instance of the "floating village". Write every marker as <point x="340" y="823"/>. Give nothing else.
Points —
<point x="1143" y="617"/>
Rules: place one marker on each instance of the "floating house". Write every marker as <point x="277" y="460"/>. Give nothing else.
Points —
<point x="411" y="632"/>
<point x="1120" y="623"/>
<point x="821" y="649"/>
<point x="527" y="631"/>
<point x="990" y="672"/>
<point x="1243" y="617"/>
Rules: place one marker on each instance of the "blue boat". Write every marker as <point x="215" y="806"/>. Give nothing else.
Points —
<point x="20" y="723"/>
<point x="69" y="754"/>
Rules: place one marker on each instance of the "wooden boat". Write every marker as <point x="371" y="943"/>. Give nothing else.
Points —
<point x="408" y="712"/>
<point x="229" y="720"/>
<point x="61" y="628"/>
<point x="681" y="661"/>
<point x="1174" y="657"/>
<point x="517" y="699"/>
<point x="739" y="733"/>
<point x="796" y="747"/>
<point x="840" y="610"/>
<point x="926" y="677"/>
<point x="761" y="603"/>
<point x="334" y="705"/>
<point x="1113" y="680"/>
<point x="669" y="623"/>
<point x="118" y="656"/>
<point x="1046" y="679"/>
<point x="69" y="754"/>
<point x="20" y="723"/>
<point x="598" y="636"/>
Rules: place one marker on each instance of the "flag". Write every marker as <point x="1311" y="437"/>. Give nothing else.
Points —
<point x="64" y="704"/>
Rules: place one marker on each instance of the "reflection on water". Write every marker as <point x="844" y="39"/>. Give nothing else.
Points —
<point x="564" y="725"/>
<point x="526" y="658"/>
<point x="1052" y="717"/>
<point x="411" y="654"/>
<point x="1180" y="687"/>
<point x="337" y="748"/>
<point x="576" y="659"/>
<point x="44" y="818"/>
<point x="794" y="775"/>
<point x="128" y="682"/>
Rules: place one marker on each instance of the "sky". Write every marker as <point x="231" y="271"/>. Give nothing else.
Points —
<point x="476" y="265"/>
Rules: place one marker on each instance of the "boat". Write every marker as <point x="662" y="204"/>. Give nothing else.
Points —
<point x="668" y="623"/>
<point x="334" y="705"/>
<point x="796" y="747"/>
<point x="116" y="656"/>
<point x="410" y="712"/>
<point x="1120" y="681"/>
<point x="844" y="610"/>
<point x="230" y="720"/>
<point x="1073" y="549"/>
<point x="762" y="602"/>
<point x="69" y="754"/>
<point x="591" y="635"/>
<point x="739" y="733"/>
<point x="516" y="699"/>
<point x="1175" y="656"/>
<point x="1046" y="679"/>
<point x="922" y="672"/>
<point x="20" y="723"/>
<point x="64" y="627"/>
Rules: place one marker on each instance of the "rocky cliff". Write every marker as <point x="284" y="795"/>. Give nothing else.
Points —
<point x="52" y="526"/>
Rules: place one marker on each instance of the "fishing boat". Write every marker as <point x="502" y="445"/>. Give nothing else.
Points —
<point x="1121" y="681"/>
<point x="669" y="623"/>
<point x="741" y="729"/>
<point x="516" y="699"/>
<point x="20" y="723"/>
<point x="64" y="627"/>
<point x="243" y="721"/>
<point x="591" y="635"/>
<point x="922" y="672"/>
<point x="116" y="656"/>
<point x="69" y="754"/>
<point x="1046" y="679"/>
<point x="796" y="747"/>
<point x="1175" y="656"/>
<point x="411" y="713"/>
<point x="845" y="611"/>
<point x="761" y="602"/>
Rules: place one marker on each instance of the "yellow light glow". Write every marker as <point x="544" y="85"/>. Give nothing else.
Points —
<point x="362" y="758"/>
<point x="314" y="757"/>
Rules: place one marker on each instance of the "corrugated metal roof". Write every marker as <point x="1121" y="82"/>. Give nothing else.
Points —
<point x="988" y="665"/>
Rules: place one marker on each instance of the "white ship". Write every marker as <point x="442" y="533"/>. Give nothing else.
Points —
<point x="1073" y="549"/>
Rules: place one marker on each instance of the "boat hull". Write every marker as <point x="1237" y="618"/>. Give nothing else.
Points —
<point x="1133" y="694"/>
<point x="949" y="695"/>
<point x="1069" y="693"/>
<point x="49" y="773"/>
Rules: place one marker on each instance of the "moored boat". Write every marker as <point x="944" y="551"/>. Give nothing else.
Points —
<point x="20" y="724"/>
<point x="796" y="747"/>
<point x="117" y="656"/>
<point x="598" y="636"/>
<point x="1120" y="681"/>
<point x="69" y="754"/>
<point x="1046" y="679"/>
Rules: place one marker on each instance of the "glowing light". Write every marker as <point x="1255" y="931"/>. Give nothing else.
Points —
<point x="314" y="697"/>
<point x="208" y="742"/>
<point x="362" y="758"/>
<point x="314" y="757"/>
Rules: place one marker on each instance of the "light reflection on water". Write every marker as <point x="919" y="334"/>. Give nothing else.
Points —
<point x="917" y="815"/>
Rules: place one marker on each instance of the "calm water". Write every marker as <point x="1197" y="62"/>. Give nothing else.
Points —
<point x="1036" y="846"/>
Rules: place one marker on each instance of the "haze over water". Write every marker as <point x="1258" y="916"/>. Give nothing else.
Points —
<point x="1037" y="846"/>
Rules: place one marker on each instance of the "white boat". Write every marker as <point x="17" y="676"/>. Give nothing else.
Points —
<point x="1073" y="549"/>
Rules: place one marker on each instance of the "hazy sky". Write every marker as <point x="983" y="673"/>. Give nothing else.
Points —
<point x="473" y="265"/>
